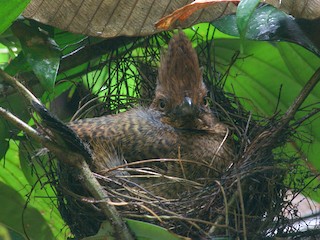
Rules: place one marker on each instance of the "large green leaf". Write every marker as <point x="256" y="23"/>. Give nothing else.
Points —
<point x="7" y="233"/>
<point x="147" y="231"/>
<point x="267" y="23"/>
<point x="259" y="74"/>
<point x="14" y="215"/>
<point x="9" y="11"/>
<point x="141" y="231"/>
<point x="41" y="218"/>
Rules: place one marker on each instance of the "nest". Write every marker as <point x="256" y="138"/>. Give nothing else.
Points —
<point x="247" y="200"/>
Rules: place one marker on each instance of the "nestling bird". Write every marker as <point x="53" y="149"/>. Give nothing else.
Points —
<point x="178" y="124"/>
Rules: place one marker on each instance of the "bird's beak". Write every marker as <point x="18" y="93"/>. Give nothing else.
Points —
<point x="187" y="107"/>
<point x="185" y="115"/>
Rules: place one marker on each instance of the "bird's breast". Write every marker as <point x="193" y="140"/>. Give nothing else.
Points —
<point x="140" y="134"/>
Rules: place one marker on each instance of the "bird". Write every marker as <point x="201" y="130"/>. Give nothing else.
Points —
<point x="178" y="124"/>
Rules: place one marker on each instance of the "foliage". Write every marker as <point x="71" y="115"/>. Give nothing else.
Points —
<point x="10" y="11"/>
<point x="267" y="74"/>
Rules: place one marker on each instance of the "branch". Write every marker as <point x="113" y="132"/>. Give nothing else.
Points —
<point x="289" y="115"/>
<point x="66" y="155"/>
<point x="274" y="132"/>
<point x="6" y="78"/>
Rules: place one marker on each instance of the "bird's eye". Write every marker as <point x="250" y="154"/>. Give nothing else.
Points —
<point x="162" y="104"/>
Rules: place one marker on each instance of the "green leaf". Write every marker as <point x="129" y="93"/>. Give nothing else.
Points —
<point x="18" y="65"/>
<point x="261" y="72"/>
<point x="41" y="52"/>
<point x="41" y="217"/>
<point x="141" y="231"/>
<point x="270" y="24"/>
<point x="9" y="11"/>
<point x="16" y="104"/>
<point x="4" y="145"/>
<point x="244" y="12"/>
<point x="7" y="233"/>
<point x="14" y="215"/>
<point x="148" y="231"/>
<point x="45" y="60"/>
<point x="4" y="133"/>
<point x="31" y="166"/>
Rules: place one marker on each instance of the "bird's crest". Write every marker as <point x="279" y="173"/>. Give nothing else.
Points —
<point x="179" y="73"/>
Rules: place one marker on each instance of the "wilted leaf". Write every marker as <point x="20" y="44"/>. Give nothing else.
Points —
<point x="184" y="12"/>
<point x="111" y="18"/>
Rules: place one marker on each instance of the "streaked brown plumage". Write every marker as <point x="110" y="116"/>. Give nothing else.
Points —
<point x="178" y="124"/>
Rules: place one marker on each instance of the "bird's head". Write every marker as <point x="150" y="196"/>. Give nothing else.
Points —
<point x="181" y="93"/>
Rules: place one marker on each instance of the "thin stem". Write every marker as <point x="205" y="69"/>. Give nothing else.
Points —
<point x="301" y="97"/>
<point x="6" y="78"/>
<point x="120" y="230"/>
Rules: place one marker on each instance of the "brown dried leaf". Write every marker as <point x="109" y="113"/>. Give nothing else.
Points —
<point x="307" y="9"/>
<point x="112" y="18"/>
<point x="185" y="12"/>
